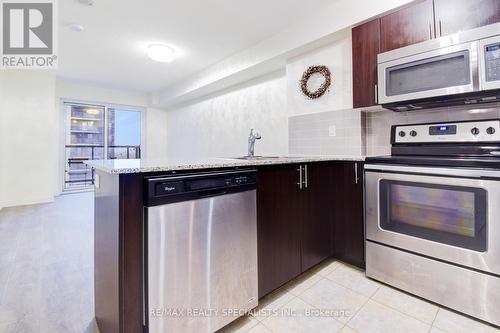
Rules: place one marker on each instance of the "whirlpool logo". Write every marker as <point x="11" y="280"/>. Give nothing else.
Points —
<point x="28" y="34"/>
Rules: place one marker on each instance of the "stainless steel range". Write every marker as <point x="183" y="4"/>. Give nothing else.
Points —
<point x="432" y="212"/>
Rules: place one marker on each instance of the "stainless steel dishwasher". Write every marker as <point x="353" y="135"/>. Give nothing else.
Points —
<point x="201" y="251"/>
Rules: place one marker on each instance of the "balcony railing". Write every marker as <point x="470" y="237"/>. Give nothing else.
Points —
<point x="78" y="174"/>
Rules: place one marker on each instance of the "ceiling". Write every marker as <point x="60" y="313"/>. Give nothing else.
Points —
<point x="111" y="50"/>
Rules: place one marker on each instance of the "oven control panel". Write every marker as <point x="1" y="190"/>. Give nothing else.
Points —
<point x="468" y="131"/>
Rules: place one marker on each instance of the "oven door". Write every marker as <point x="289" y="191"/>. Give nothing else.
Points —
<point x="441" y="72"/>
<point x="448" y="214"/>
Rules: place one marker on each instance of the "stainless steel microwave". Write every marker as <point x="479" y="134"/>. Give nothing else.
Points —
<point x="458" y="69"/>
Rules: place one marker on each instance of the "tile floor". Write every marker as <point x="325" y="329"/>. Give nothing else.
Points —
<point x="46" y="285"/>
<point x="335" y="297"/>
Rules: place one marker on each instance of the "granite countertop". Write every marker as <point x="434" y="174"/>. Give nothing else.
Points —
<point x="156" y="165"/>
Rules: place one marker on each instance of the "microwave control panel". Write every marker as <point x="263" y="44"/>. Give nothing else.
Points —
<point x="492" y="62"/>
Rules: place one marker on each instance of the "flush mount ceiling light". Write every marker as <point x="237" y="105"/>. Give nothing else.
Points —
<point x="161" y="53"/>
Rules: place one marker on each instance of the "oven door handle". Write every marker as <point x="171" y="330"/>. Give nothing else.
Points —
<point x="431" y="171"/>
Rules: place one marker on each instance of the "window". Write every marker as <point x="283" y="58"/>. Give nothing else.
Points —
<point x="124" y="133"/>
<point x="98" y="132"/>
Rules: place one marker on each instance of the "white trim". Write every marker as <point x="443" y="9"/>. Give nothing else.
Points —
<point x="106" y="133"/>
<point x="76" y="191"/>
<point x="26" y="202"/>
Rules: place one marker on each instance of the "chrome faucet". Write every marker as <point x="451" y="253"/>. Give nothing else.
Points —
<point x="251" y="142"/>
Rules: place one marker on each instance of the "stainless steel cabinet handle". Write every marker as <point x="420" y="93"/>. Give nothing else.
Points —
<point x="306" y="182"/>
<point x="356" y="179"/>
<point x="376" y="94"/>
<point x="300" y="183"/>
<point x="440" y="29"/>
<point x="430" y="30"/>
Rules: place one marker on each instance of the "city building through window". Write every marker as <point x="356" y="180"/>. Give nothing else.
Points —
<point x="98" y="132"/>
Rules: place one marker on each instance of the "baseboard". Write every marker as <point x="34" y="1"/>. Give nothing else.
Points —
<point x="26" y="202"/>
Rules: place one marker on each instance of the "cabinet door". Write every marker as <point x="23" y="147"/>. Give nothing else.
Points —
<point x="453" y="16"/>
<point x="278" y="226"/>
<point x="349" y="239"/>
<point x="317" y="224"/>
<point x="407" y="26"/>
<point x="365" y="47"/>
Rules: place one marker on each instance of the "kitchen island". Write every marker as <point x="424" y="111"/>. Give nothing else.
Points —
<point x="119" y="245"/>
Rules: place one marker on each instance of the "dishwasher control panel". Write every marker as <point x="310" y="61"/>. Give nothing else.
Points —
<point x="176" y="188"/>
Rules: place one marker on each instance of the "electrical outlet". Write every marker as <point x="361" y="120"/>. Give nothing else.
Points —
<point x="332" y="131"/>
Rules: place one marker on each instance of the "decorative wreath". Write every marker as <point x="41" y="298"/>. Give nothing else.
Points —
<point x="323" y="71"/>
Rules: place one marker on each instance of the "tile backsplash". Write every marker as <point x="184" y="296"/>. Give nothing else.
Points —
<point x="338" y="132"/>
<point x="352" y="132"/>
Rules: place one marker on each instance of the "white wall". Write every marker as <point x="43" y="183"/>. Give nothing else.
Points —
<point x="310" y="121"/>
<point x="219" y="125"/>
<point x="338" y="58"/>
<point x="204" y="128"/>
<point x="28" y="139"/>
<point x="156" y="134"/>
<point x="87" y="92"/>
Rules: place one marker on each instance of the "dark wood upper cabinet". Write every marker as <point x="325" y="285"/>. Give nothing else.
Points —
<point x="416" y="23"/>
<point x="453" y="16"/>
<point x="407" y="26"/>
<point x="279" y="205"/>
<point x="365" y="47"/>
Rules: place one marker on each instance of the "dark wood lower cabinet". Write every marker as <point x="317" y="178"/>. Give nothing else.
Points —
<point x="118" y="255"/>
<point x="297" y="228"/>
<point x="278" y="229"/>
<point x="348" y="241"/>
<point x="317" y="222"/>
